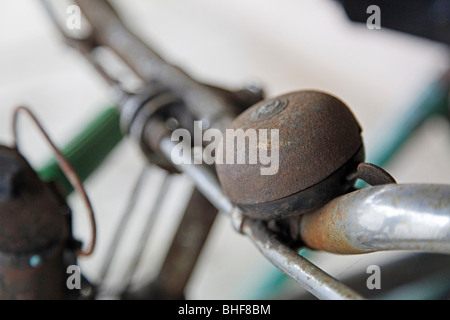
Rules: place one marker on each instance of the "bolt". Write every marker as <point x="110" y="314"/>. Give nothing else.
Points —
<point x="269" y="109"/>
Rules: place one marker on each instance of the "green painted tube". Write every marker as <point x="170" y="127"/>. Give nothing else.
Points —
<point x="87" y="150"/>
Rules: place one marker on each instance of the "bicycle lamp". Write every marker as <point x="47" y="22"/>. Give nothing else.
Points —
<point x="319" y="146"/>
<point x="34" y="234"/>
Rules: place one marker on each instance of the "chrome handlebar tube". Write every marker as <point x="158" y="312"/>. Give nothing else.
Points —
<point x="412" y="217"/>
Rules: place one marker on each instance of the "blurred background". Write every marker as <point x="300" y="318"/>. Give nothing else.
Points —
<point x="284" y="45"/>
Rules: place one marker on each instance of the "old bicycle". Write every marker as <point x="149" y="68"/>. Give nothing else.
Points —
<point x="182" y="100"/>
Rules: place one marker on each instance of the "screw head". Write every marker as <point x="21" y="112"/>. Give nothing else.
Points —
<point x="269" y="109"/>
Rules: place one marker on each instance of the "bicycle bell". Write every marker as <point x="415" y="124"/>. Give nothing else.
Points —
<point x="319" y="147"/>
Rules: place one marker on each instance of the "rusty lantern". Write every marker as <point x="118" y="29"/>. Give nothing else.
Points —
<point x="34" y="231"/>
<point x="319" y="146"/>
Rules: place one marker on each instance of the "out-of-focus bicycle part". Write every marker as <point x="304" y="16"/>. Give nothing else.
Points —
<point x="138" y="109"/>
<point x="203" y="101"/>
<point x="34" y="232"/>
<point x="87" y="150"/>
<point x="167" y="94"/>
<point x="163" y="194"/>
<point x="181" y="259"/>
<point x="66" y="167"/>
<point x="121" y="229"/>
<point x="36" y="243"/>
<point x="164" y="85"/>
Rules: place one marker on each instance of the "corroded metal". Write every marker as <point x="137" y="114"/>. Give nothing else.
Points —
<point x="34" y="232"/>
<point x="388" y="217"/>
<point x="319" y="139"/>
<point x="372" y="174"/>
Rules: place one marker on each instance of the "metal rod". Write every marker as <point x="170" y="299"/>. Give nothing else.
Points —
<point x="389" y="217"/>
<point x="68" y="170"/>
<point x="121" y="227"/>
<point x="87" y="150"/>
<point x="186" y="248"/>
<point x="150" y="66"/>
<point x="203" y="178"/>
<point x="304" y="272"/>
<point x="309" y="276"/>
<point x="163" y="194"/>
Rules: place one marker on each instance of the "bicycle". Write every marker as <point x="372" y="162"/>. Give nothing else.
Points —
<point x="173" y="85"/>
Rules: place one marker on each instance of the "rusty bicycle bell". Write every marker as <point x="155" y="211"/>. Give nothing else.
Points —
<point x="320" y="156"/>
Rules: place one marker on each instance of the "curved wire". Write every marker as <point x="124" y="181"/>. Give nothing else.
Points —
<point x="66" y="168"/>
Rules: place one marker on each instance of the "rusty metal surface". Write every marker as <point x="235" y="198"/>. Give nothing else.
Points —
<point x="372" y="174"/>
<point x="27" y="216"/>
<point x="309" y="199"/>
<point x="318" y="134"/>
<point x="33" y="233"/>
<point x="388" y="217"/>
<point x="21" y="281"/>
<point x="309" y="276"/>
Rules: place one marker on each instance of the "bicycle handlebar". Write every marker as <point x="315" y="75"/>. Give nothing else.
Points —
<point x="308" y="275"/>
<point x="388" y="217"/>
<point x="110" y="32"/>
